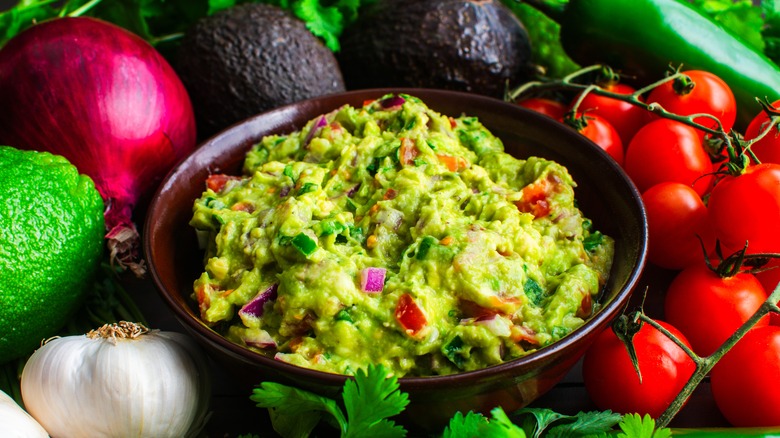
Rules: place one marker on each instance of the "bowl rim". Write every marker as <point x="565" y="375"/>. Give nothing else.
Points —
<point x="606" y="313"/>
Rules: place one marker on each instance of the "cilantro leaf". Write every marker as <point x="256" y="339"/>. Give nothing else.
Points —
<point x="544" y="418"/>
<point x="586" y="424"/>
<point x="294" y="412"/>
<point x="476" y="425"/>
<point x="469" y="425"/>
<point x="369" y="399"/>
<point x="636" y="426"/>
<point x="325" y="22"/>
<point x="501" y="426"/>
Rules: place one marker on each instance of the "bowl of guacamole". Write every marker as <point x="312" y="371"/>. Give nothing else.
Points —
<point x="469" y="246"/>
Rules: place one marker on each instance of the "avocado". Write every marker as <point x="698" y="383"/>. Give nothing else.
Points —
<point x="249" y="59"/>
<point x="466" y="45"/>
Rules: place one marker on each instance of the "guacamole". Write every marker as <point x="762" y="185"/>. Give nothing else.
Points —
<point x="393" y="234"/>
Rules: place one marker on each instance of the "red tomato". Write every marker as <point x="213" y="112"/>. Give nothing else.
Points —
<point x="746" y="208"/>
<point x="625" y="117"/>
<point x="708" y="309"/>
<point x="548" y="107"/>
<point x="598" y="130"/>
<point x="744" y="381"/>
<point x="668" y="151"/>
<point x="709" y="95"/>
<point x="409" y="315"/>
<point x="767" y="149"/>
<point x="771" y="277"/>
<point x="612" y="382"/>
<point x="676" y="215"/>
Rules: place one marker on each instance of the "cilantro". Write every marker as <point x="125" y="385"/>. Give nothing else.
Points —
<point x="533" y="291"/>
<point x="593" y="241"/>
<point x="424" y="247"/>
<point x="636" y="426"/>
<point x="307" y="188"/>
<point x="369" y="400"/>
<point x="548" y="423"/>
<point x="740" y="17"/>
<point x="165" y="21"/>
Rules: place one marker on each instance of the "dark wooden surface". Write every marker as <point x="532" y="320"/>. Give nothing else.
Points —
<point x="233" y="413"/>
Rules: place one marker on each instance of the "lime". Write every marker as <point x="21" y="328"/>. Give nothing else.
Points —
<point x="51" y="244"/>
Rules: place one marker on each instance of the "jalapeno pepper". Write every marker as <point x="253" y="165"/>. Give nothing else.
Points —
<point x="642" y="38"/>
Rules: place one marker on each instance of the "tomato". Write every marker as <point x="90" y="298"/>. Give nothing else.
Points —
<point x="676" y="215"/>
<point x="599" y="131"/>
<point x="667" y="150"/>
<point x="744" y="381"/>
<point x="709" y="95"/>
<point x="746" y="208"/>
<point x="771" y="277"/>
<point x="625" y="117"/>
<point x="612" y="382"/>
<point x="409" y="315"/>
<point x="708" y="309"/>
<point x="767" y="149"/>
<point x="548" y="107"/>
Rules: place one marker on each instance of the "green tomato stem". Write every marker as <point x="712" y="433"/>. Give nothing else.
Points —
<point x="705" y="364"/>
<point x="572" y="82"/>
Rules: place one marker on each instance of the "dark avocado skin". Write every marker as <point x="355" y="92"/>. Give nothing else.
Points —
<point x="249" y="59"/>
<point x="475" y="46"/>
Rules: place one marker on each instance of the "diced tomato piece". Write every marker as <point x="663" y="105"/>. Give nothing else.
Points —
<point x="408" y="151"/>
<point x="217" y="181"/>
<point x="391" y="193"/>
<point x="454" y="164"/>
<point x="535" y="199"/>
<point x="409" y="315"/>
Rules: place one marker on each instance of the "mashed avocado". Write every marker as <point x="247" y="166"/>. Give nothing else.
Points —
<point x="396" y="235"/>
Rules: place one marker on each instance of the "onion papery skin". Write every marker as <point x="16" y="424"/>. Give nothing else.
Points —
<point x="156" y="385"/>
<point x="103" y="98"/>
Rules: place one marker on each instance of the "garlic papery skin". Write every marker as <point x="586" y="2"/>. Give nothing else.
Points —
<point x="119" y="381"/>
<point x="15" y="422"/>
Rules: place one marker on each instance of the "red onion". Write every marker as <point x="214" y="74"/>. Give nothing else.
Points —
<point x="372" y="280"/>
<point x="254" y="308"/>
<point x="107" y="101"/>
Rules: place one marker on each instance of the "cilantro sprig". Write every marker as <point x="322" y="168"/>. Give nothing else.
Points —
<point x="373" y="397"/>
<point x="164" y="21"/>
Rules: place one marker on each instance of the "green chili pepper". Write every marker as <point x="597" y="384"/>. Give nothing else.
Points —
<point x="545" y="40"/>
<point x="304" y="244"/>
<point x="642" y="38"/>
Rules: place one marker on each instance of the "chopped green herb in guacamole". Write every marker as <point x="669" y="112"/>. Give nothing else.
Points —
<point x="391" y="234"/>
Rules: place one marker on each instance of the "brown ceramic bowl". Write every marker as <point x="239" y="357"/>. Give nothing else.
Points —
<point x="604" y="193"/>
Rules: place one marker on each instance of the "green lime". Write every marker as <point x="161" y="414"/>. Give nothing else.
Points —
<point x="51" y="244"/>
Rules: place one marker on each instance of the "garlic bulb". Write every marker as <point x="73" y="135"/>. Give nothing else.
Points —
<point x="15" y="422"/>
<point x="121" y="380"/>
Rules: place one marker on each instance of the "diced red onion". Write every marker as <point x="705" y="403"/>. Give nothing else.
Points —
<point x="254" y="308"/>
<point x="391" y="102"/>
<point x="321" y="122"/>
<point x="351" y="192"/>
<point x="372" y="280"/>
<point x="261" y="340"/>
